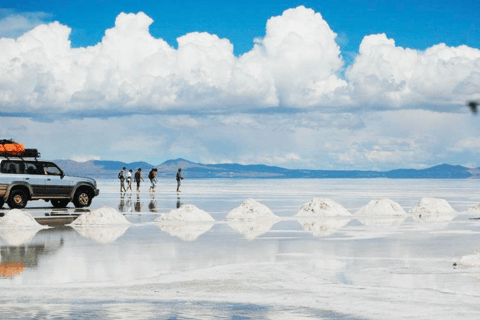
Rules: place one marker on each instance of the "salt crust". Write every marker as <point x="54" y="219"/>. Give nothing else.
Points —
<point x="323" y="227"/>
<point x="101" y="217"/>
<point x="18" y="219"/>
<point x="470" y="261"/>
<point x="251" y="210"/>
<point x="101" y="234"/>
<point x="319" y="207"/>
<point x="382" y="207"/>
<point x="187" y="212"/>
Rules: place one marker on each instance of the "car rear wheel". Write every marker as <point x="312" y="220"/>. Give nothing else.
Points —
<point x="17" y="200"/>
<point x="82" y="198"/>
<point x="2" y="202"/>
<point x="60" y="203"/>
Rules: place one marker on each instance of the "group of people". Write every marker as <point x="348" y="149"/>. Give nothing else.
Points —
<point x="126" y="176"/>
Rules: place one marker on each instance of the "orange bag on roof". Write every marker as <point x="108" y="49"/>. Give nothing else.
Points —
<point x="15" y="149"/>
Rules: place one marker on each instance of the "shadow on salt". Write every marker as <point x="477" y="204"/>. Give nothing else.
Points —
<point x="186" y="222"/>
<point x="104" y="225"/>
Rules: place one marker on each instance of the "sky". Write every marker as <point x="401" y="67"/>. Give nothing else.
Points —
<point x="297" y="84"/>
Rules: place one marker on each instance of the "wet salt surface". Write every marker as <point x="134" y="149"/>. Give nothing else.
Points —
<point x="321" y="268"/>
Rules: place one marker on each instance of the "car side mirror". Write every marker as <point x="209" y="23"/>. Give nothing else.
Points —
<point x="62" y="175"/>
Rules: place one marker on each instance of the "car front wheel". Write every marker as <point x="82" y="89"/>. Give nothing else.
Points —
<point x="17" y="200"/>
<point x="82" y="198"/>
<point x="60" y="203"/>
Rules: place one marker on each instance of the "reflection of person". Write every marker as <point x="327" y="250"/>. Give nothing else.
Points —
<point x="138" y="177"/>
<point x="138" y="204"/>
<point x="153" y="203"/>
<point x="179" y="179"/>
<point x="121" y="205"/>
<point x="179" y="202"/>
<point x="129" y="179"/>
<point x="122" y="176"/>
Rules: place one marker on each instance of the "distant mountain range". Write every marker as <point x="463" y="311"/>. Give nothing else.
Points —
<point x="110" y="169"/>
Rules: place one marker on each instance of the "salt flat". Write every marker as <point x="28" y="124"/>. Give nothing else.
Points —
<point x="355" y="267"/>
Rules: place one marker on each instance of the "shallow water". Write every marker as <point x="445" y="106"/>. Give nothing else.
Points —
<point x="358" y="252"/>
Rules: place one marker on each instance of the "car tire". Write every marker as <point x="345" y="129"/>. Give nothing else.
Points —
<point x="17" y="200"/>
<point x="59" y="203"/>
<point x="2" y="202"/>
<point x="82" y="198"/>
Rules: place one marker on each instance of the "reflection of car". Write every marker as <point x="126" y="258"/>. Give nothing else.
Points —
<point x="23" y="180"/>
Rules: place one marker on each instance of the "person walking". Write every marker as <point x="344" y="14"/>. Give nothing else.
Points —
<point x="138" y="177"/>
<point x="152" y="175"/>
<point x="179" y="179"/>
<point x="122" y="175"/>
<point x="129" y="179"/>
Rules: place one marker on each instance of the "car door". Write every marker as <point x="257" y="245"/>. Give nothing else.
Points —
<point x="34" y="176"/>
<point x="56" y="186"/>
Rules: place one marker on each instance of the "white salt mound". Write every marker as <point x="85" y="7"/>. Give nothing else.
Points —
<point x="470" y="261"/>
<point x="251" y="210"/>
<point x="186" y="212"/>
<point x="381" y="207"/>
<point x="318" y="207"/>
<point x="18" y="237"/>
<point x="102" y="216"/>
<point x="432" y="206"/>
<point x="19" y="219"/>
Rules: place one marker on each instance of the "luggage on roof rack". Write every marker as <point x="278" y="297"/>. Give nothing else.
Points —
<point x="11" y="148"/>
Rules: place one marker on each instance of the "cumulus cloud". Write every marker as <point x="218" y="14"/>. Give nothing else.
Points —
<point x="295" y="66"/>
<point x="13" y="25"/>
<point x="385" y="75"/>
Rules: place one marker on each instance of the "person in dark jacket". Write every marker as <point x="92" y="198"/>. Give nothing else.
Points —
<point x="138" y="177"/>
<point x="179" y="179"/>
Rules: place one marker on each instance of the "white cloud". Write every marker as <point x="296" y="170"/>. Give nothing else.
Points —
<point x="84" y="158"/>
<point x="13" y="25"/>
<point x="385" y="75"/>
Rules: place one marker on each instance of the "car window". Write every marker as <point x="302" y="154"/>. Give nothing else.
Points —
<point x="33" y="168"/>
<point x="51" y="169"/>
<point x="15" y="167"/>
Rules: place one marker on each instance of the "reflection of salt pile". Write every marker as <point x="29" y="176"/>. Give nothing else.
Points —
<point x="186" y="232"/>
<point x="475" y="208"/>
<point x="15" y="218"/>
<point x="382" y="210"/>
<point x="102" y="216"/>
<point x="185" y="213"/>
<point x="252" y="229"/>
<point x="18" y="237"/>
<point x="101" y="234"/>
<point x="433" y="209"/>
<point x="470" y="261"/>
<point x="250" y="210"/>
<point x="318" y="207"/>
<point x="322" y="227"/>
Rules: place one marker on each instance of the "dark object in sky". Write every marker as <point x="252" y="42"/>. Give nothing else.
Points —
<point x="473" y="106"/>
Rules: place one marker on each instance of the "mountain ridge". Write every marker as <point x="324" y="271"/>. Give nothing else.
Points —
<point x="110" y="169"/>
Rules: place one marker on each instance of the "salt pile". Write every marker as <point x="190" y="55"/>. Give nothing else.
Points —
<point x="186" y="232"/>
<point x="470" y="261"/>
<point x="433" y="209"/>
<point x="318" y="207"/>
<point x="381" y="207"/>
<point x="15" y="218"/>
<point x="475" y="208"/>
<point x="251" y="210"/>
<point x="101" y="234"/>
<point x="185" y="213"/>
<point x="253" y="228"/>
<point x="323" y="227"/>
<point x="102" y="216"/>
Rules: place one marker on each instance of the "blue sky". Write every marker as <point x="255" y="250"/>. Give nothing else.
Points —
<point x="328" y="84"/>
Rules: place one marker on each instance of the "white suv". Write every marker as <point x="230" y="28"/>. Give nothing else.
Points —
<point x="22" y="180"/>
